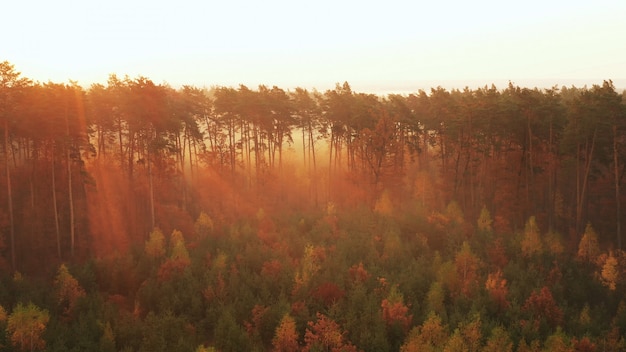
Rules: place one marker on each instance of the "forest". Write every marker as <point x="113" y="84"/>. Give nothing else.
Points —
<point x="137" y="216"/>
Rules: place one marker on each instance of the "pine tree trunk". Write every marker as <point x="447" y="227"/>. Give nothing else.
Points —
<point x="71" y="198"/>
<point x="9" y="194"/>
<point x="55" y="205"/>
<point x="585" y="181"/>
<point x="618" y="224"/>
<point x="152" y="218"/>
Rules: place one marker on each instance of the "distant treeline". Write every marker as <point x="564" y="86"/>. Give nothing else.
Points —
<point x="557" y="154"/>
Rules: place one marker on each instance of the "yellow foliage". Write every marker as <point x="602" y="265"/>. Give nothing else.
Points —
<point x="588" y="248"/>
<point x="557" y="342"/>
<point x="499" y="341"/>
<point x="220" y="261"/>
<point x="610" y="273"/>
<point x="309" y="266"/>
<point x="531" y="242"/>
<point x="467" y="265"/>
<point x="428" y="337"/>
<point x="26" y="326"/>
<point x="456" y="343"/>
<point x="484" y="220"/>
<point x="203" y="225"/>
<point x="68" y="290"/>
<point x="155" y="245"/>
<point x="179" y="251"/>
<point x="454" y="213"/>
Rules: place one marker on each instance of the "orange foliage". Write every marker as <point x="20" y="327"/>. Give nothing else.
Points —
<point x="26" y="325"/>
<point x="258" y="312"/>
<point x="328" y="293"/>
<point x="496" y="286"/>
<point x="583" y="345"/>
<point x="286" y="336"/>
<point x="542" y="305"/>
<point x="326" y="335"/>
<point x="610" y="272"/>
<point x="358" y="274"/>
<point x="170" y="269"/>
<point x="501" y="225"/>
<point x="216" y="292"/>
<point x="467" y="265"/>
<point x="395" y="312"/>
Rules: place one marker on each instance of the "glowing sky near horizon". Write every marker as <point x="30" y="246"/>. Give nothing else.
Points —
<point x="370" y="44"/>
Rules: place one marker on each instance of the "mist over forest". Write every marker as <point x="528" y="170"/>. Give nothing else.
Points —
<point x="136" y="216"/>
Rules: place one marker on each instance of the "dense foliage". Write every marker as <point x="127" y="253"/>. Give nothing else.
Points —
<point x="139" y="217"/>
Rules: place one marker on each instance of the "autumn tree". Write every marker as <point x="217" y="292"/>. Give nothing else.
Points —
<point x="395" y="311"/>
<point x="326" y="335"/>
<point x="203" y="225"/>
<point x="466" y="338"/>
<point x="497" y="288"/>
<point x="484" y="221"/>
<point x="588" y="247"/>
<point x="26" y="326"/>
<point x="609" y="275"/>
<point x="155" y="245"/>
<point x="467" y="265"/>
<point x="430" y="336"/>
<point x="68" y="290"/>
<point x="178" y="259"/>
<point x="531" y="240"/>
<point x="499" y="341"/>
<point x="542" y="306"/>
<point x="286" y="336"/>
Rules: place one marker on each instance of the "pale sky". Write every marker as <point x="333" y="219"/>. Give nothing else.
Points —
<point x="390" y="45"/>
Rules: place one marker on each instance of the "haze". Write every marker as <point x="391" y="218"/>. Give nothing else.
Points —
<point x="376" y="46"/>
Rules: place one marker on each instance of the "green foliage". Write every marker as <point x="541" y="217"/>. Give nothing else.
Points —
<point x="167" y="332"/>
<point x="230" y="336"/>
